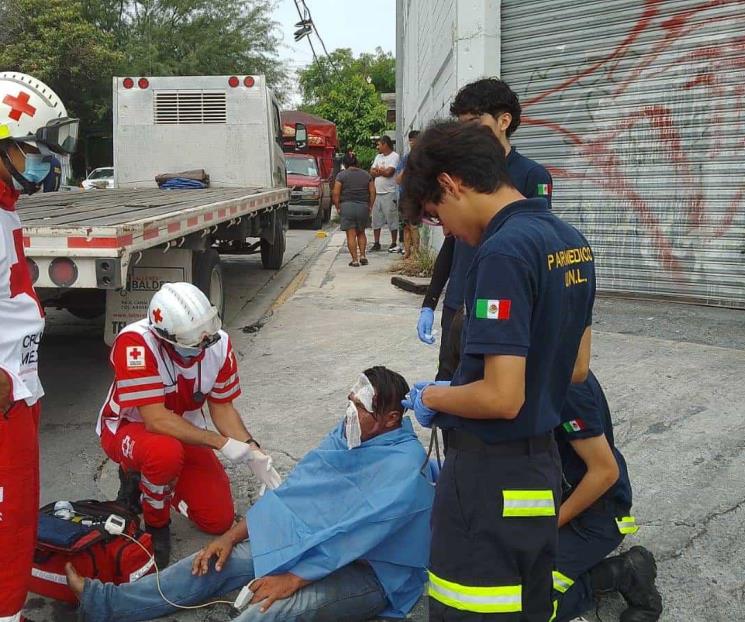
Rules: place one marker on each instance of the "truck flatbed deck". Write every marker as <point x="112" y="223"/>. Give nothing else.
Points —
<point x="100" y="222"/>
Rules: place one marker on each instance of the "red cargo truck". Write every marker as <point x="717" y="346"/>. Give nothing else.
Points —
<point x="310" y="166"/>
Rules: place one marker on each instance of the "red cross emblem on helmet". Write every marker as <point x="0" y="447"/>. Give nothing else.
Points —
<point x="157" y="316"/>
<point x="19" y="106"/>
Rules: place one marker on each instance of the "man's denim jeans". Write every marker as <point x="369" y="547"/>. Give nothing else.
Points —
<point x="351" y="593"/>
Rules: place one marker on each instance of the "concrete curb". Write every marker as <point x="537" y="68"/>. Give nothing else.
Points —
<point x="320" y="268"/>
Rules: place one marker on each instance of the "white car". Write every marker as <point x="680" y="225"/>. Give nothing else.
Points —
<point x="99" y="178"/>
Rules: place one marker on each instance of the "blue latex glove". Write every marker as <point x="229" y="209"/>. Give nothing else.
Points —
<point x="413" y="401"/>
<point x="424" y="325"/>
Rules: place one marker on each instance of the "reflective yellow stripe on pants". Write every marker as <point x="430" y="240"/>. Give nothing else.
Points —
<point x="561" y="582"/>
<point x="528" y="503"/>
<point x="497" y="599"/>
<point x="627" y="525"/>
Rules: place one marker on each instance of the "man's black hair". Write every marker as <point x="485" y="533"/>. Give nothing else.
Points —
<point x="488" y="96"/>
<point x="390" y="388"/>
<point x="413" y="134"/>
<point x="386" y="140"/>
<point x="350" y="160"/>
<point x="467" y="151"/>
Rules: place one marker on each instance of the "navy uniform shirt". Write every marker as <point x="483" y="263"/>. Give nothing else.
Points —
<point x="529" y="292"/>
<point x="531" y="180"/>
<point x="585" y="415"/>
<point x="52" y="181"/>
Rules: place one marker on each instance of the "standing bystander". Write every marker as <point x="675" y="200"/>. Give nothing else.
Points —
<point x="353" y="197"/>
<point x="408" y="217"/>
<point x="385" y="209"/>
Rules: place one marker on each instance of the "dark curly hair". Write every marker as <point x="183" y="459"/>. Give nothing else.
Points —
<point x="488" y="96"/>
<point x="390" y="388"/>
<point x="468" y="151"/>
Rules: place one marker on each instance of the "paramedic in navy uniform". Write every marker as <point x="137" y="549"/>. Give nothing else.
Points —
<point x="492" y="103"/>
<point x="528" y="308"/>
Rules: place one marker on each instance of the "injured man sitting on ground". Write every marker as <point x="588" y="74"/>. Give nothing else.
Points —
<point x="345" y="537"/>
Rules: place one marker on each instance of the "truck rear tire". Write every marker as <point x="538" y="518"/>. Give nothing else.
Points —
<point x="272" y="254"/>
<point x="207" y="276"/>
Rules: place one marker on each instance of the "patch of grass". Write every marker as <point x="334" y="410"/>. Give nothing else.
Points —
<point x="421" y="264"/>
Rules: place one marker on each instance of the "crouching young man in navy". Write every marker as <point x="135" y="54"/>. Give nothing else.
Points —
<point x="344" y="538"/>
<point x="167" y="367"/>
<point x="595" y="515"/>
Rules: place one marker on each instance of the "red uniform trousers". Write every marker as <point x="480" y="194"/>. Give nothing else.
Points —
<point x="19" y="504"/>
<point x="189" y="478"/>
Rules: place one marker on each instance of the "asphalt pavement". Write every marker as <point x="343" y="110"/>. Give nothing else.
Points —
<point x="672" y="373"/>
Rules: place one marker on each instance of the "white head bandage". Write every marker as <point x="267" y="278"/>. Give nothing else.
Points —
<point x="364" y="392"/>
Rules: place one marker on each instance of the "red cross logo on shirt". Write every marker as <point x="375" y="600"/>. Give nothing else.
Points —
<point x="19" y="106"/>
<point x="157" y="316"/>
<point x="136" y="353"/>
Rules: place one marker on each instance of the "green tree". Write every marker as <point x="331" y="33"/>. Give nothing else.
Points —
<point x="52" y="40"/>
<point x="192" y="37"/>
<point x="337" y="88"/>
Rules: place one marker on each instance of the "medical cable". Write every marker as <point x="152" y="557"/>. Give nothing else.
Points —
<point x="160" y="590"/>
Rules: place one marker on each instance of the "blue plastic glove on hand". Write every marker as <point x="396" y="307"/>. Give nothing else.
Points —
<point x="413" y="401"/>
<point x="424" y="325"/>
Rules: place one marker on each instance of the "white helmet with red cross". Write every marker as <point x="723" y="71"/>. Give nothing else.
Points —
<point x="32" y="112"/>
<point x="182" y="315"/>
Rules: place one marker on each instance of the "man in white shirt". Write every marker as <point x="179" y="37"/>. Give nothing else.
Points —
<point x="385" y="210"/>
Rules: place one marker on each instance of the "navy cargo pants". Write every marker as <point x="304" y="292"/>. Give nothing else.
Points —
<point x="494" y="530"/>
<point x="583" y="543"/>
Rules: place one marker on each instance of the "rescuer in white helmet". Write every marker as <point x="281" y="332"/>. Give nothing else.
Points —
<point x="33" y="125"/>
<point x="167" y="367"/>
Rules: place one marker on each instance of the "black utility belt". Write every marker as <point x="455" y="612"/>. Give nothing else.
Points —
<point x="465" y="441"/>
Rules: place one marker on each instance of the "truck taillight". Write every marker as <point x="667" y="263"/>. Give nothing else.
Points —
<point x="33" y="269"/>
<point x="143" y="83"/>
<point x="63" y="272"/>
<point x="249" y="81"/>
<point x="128" y="83"/>
<point x="233" y="81"/>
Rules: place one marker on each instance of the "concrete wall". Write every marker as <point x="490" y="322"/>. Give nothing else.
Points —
<point x="634" y="105"/>
<point x="441" y="45"/>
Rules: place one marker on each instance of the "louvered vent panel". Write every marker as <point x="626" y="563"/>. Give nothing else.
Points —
<point x="190" y="107"/>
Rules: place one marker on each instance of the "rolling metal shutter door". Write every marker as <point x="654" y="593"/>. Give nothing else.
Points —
<point x="637" y="107"/>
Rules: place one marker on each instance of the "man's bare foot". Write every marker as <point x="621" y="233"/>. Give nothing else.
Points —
<point x="74" y="581"/>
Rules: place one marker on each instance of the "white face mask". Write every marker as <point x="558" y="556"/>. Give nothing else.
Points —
<point x="352" y="427"/>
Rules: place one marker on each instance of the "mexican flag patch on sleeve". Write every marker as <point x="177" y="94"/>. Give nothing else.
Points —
<point x="493" y="309"/>
<point x="543" y="190"/>
<point x="575" y="425"/>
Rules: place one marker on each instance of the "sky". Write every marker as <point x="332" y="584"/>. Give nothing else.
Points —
<point x="361" y="25"/>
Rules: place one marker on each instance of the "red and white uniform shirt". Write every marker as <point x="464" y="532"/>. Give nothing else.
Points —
<point x="145" y="373"/>
<point x="21" y="314"/>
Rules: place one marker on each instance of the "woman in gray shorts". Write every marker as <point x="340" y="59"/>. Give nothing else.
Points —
<point x="353" y="197"/>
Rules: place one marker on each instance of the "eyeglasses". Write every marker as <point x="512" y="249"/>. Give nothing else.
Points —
<point x="431" y="221"/>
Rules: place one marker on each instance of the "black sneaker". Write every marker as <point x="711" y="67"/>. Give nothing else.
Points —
<point x="375" y="247"/>
<point x="161" y="544"/>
